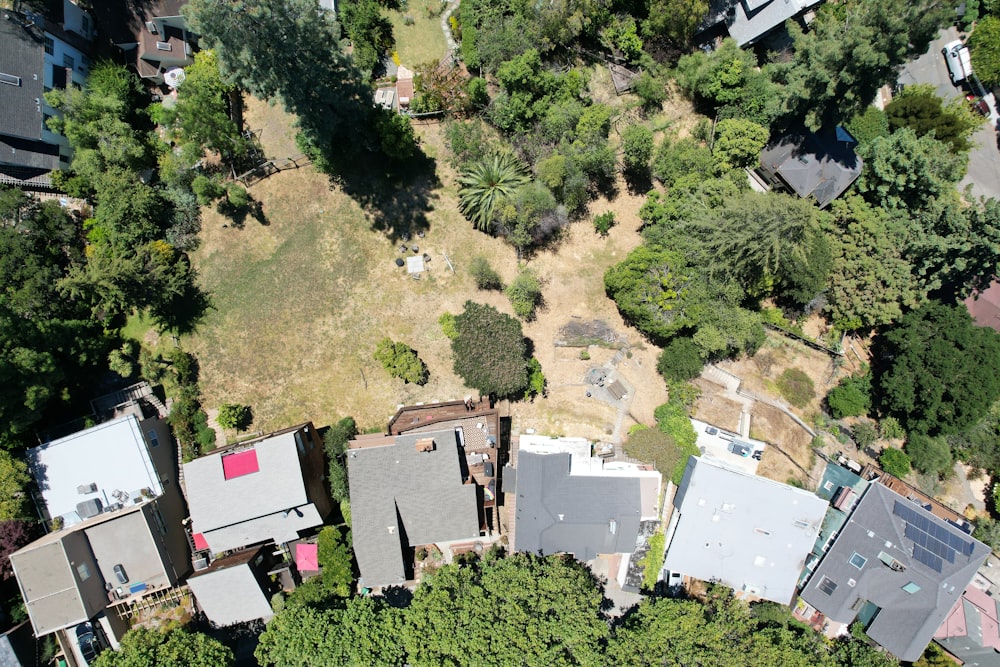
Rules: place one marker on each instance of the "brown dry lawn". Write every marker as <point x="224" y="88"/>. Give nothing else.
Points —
<point x="299" y="303"/>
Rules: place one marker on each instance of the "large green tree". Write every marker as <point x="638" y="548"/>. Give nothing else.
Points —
<point x="920" y="109"/>
<point x="769" y="242"/>
<point x="489" y="350"/>
<point x="202" y="114"/>
<point x="288" y="50"/>
<point x="520" y="610"/>
<point x="360" y="631"/>
<point x="142" y="647"/>
<point x="50" y="344"/>
<point x="849" y="52"/>
<point x="936" y="371"/>
<point x="984" y="44"/>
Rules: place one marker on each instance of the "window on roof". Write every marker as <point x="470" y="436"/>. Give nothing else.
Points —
<point x="857" y="560"/>
<point x="68" y="61"/>
<point x="827" y="585"/>
<point x="153" y="440"/>
<point x="83" y="571"/>
<point x="911" y="588"/>
<point x="239" y="464"/>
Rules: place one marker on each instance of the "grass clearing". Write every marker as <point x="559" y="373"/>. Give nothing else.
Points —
<point x="300" y="303"/>
<point x="421" y="42"/>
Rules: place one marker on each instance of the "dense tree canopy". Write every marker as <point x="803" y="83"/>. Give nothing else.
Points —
<point x="523" y="610"/>
<point x="490" y="352"/>
<point x="984" y="45"/>
<point x="288" y="50"/>
<point x="936" y="371"/>
<point x="142" y="647"/>
<point x="920" y="109"/>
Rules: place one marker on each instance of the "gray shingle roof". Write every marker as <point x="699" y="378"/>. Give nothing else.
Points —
<point x="748" y="532"/>
<point x="579" y="514"/>
<point x="401" y="498"/>
<point x="21" y="55"/>
<point x="906" y="621"/>
<point x="812" y="165"/>
<point x="230" y="593"/>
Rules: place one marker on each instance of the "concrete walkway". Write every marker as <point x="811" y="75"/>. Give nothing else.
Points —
<point x="446" y="28"/>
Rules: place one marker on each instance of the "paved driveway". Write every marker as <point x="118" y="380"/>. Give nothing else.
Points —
<point x="715" y="446"/>
<point x="984" y="158"/>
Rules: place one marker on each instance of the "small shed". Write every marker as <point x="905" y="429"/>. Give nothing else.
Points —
<point x="622" y="77"/>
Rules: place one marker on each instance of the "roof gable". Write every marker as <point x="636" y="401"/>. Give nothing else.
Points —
<point x="585" y="515"/>
<point x="883" y="536"/>
<point x="821" y="166"/>
<point x="402" y="497"/>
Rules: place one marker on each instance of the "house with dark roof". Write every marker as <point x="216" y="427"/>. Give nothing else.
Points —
<point x="896" y="568"/>
<point x="748" y="532"/>
<point x="817" y="165"/>
<point x="567" y="501"/>
<point x="269" y="489"/>
<point x="36" y="56"/>
<point x="418" y="489"/>
<point x="157" y="40"/>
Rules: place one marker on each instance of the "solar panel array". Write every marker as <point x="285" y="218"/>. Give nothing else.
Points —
<point x="933" y="543"/>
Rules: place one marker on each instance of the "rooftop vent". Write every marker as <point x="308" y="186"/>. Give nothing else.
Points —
<point x="84" y="489"/>
<point x="613" y="527"/>
<point x="424" y="445"/>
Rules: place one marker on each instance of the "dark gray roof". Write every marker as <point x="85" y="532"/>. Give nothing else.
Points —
<point x="876" y="531"/>
<point x="27" y="158"/>
<point x="21" y="55"/>
<point x="18" y="647"/>
<point x="402" y="498"/>
<point x="580" y="514"/>
<point x="813" y="165"/>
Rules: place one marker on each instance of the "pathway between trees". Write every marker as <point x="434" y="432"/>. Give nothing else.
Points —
<point x="446" y="28"/>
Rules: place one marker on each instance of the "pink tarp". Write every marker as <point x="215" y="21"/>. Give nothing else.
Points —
<point x="237" y="465"/>
<point x="199" y="542"/>
<point x="307" y="557"/>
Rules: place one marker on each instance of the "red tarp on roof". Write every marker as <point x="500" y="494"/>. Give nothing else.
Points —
<point x="199" y="542"/>
<point x="237" y="465"/>
<point x="307" y="557"/>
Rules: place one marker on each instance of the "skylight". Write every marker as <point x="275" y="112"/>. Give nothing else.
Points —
<point x="911" y="588"/>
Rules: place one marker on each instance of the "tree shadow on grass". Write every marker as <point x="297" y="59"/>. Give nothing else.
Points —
<point x="396" y="197"/>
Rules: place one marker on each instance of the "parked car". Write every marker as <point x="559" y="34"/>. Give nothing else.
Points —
<point x="740" y="449"/>
<point x="956" y="56"/>
<point x="89" y="646"/>
<point x="711" y="430"/>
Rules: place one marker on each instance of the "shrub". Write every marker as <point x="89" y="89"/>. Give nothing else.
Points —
<point x="637" y="149"/>
<point x="680" y="360"/>
<point x="484" y="275"/>
<point x="930" y="455"/>
<point x="525" y="294"/>
<point x="206" y="189"/>
<point x="891" y="429"/>
<point x="234" y="416"/>
<point x="447" y="322"/>
<point x="672" y="419"/>
<point x="401" y="361"/>
<point x="864" y="433"/>
<point x="852" y="397"/>
<point x="652" y="562"/>
<point x="584" y="355"/>
<point x="796" y="387"/>
<point x="895" y="462"/>
<point x="536" y="379"/>
<point x="490" y="353"/>
<point x="684" y="393"/>
<point x="604" y="222"/>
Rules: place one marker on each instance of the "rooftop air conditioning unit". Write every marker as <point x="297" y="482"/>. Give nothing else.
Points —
<point x="200" y="564"/>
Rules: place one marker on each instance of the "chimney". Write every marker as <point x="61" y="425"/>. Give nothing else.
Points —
<point x="424" y="445"/>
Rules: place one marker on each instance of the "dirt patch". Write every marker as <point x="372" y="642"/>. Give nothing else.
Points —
<point x="789" y="454"/>
<point x="274" y="126"/>
<point x="712" y="407"/>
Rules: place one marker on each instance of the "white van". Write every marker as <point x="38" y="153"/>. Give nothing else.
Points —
<point x="956" y="55"/>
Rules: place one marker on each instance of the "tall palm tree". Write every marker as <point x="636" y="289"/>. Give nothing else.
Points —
<point x="486" y="184"/>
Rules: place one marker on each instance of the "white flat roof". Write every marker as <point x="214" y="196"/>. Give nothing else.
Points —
<point x="111" y="458"/>
<point x="752" y="534"/>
